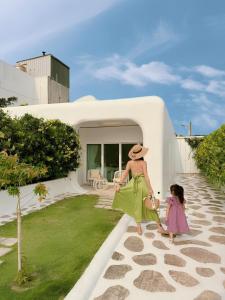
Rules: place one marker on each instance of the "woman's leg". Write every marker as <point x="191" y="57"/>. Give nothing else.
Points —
<point x="139" y="229"/>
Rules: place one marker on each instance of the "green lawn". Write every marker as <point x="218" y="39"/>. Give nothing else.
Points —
<point x="59" y="241"/>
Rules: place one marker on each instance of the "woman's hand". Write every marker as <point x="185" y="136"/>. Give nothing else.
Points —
<point x="150" y="193"/>
<point x="117" y="188"/>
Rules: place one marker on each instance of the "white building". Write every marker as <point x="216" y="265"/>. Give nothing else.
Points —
<point x="39" y="80"/>
<point x="109" y="128"/>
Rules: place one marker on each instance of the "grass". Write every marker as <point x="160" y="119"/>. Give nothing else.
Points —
<point x="59" y="241"/>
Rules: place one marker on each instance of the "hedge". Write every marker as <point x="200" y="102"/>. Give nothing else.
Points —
<point x="210" y="156"/>
<point x="51" y="144"/>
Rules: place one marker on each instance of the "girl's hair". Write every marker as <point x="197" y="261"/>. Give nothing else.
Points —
<point x="178" y="191"/>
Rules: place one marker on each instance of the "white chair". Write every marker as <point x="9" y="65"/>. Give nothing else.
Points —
<point x="117" y="176"/>
<point x="95" y="179"/>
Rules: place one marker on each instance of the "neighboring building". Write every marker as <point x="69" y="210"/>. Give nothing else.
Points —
<point x="108" y="129"/>
<point x="39" y="80"/>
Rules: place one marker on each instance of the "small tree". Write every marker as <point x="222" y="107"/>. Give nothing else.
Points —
<point x="7" y="101"/>
<point x="14" y="174"/>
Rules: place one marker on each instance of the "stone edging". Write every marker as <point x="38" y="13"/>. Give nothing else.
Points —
<point x="85" y="285"/>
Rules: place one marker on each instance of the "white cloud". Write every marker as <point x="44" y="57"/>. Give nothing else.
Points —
<point x="191" y="84"/>
<point x="205" y="121"/>
<point x="208" y="71"/>
<point x="160" y="38"/>
<point x="216" y="87"/>
<point x="207" y="112"/>
<point x="24" y="23"/>
<point x="127" y="72"/>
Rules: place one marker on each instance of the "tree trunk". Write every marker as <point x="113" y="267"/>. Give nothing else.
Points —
<point x="19" y="237"/>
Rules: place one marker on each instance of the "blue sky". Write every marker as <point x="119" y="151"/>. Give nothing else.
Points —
<point x="174" y="49"/>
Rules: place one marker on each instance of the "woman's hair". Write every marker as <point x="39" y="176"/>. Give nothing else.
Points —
<point x="178" y="191"/>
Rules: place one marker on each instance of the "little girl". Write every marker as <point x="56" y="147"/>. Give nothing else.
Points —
<point x="175" y="216"/>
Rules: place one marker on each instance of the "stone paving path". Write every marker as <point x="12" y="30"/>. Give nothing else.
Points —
<point x="149" y="267"/>
<point x="105" y="195"/>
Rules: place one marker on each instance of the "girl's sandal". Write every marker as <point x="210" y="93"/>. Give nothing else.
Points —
<point x="161" y="230"/>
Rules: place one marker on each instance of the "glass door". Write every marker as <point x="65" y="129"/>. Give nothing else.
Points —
<point x="111" y="160"/>
<point x="93" y="156"/>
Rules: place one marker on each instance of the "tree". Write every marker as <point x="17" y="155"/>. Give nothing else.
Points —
<point x="14" y="174"/>
<point x="6" y="102"/>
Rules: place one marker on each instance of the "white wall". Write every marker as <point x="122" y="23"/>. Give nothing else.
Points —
<point x="28" y="89"/>
<point x="58" y="188"/>
<point x="39" y="66"/>
<point x="57" y="93"/>
<point x="41" y="84"/>
<point x="148" y="112"/>
<point x="184" y="157"/>
<point x="105" y="135"/>
<point x="14" y="82"/>
<point x="169" y="153"/>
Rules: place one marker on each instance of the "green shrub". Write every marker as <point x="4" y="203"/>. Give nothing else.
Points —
<point x="194" y="141"/>
<point x="50" y="144"/>
<point x="210" y="156"/>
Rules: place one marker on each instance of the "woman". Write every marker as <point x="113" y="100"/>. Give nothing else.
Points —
<point x="130" y="197"/>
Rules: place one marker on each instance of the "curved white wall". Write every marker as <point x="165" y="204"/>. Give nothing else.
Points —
<point x="148" y="112"/>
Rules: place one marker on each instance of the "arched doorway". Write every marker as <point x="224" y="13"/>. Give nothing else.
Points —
<point x="105" y="145"/>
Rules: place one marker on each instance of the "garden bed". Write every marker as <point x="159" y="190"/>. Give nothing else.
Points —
<point x="59" y="242"/>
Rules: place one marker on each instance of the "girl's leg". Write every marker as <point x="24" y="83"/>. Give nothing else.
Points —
<point x="171" y="237"/>
<point x="139" y="229"/>
<point x="160" y="228"/>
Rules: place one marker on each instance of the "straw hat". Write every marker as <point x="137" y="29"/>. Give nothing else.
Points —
<point x="137" y="151"/>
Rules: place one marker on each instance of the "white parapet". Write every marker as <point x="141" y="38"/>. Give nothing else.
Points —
<point x="57" y="188"/>
<point x="85" y="285"/>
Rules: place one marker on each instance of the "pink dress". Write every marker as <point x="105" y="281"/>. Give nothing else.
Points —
<point x="177" y="221"/>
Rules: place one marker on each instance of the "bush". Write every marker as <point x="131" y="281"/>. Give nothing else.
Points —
<point x="194" y="142"/>
<point x="210" y="156"/>
<point x="50" y="144"/>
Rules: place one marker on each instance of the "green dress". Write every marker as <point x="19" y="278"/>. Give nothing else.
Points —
<point x="129" y="199"/>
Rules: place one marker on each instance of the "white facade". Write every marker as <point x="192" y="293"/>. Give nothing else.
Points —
<point x="31" y="82"/>
<point x="112" y="120"/>
<point x="185" y="162"/>
<point x="16" y="83"/>
<point x="37" y="67"/>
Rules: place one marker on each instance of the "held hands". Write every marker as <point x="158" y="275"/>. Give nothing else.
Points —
<point x="117" y="188"/>
<point x="150" y="194"/>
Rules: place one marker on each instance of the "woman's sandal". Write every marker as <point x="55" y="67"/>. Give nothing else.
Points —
<point x="139" y="230"/>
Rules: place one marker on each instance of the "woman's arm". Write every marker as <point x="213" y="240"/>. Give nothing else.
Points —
<point x="125" y="174"/>
<point x="145" y="171"/>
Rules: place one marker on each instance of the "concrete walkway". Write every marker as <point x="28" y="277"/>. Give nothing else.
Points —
<point x="149" y="267"/>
